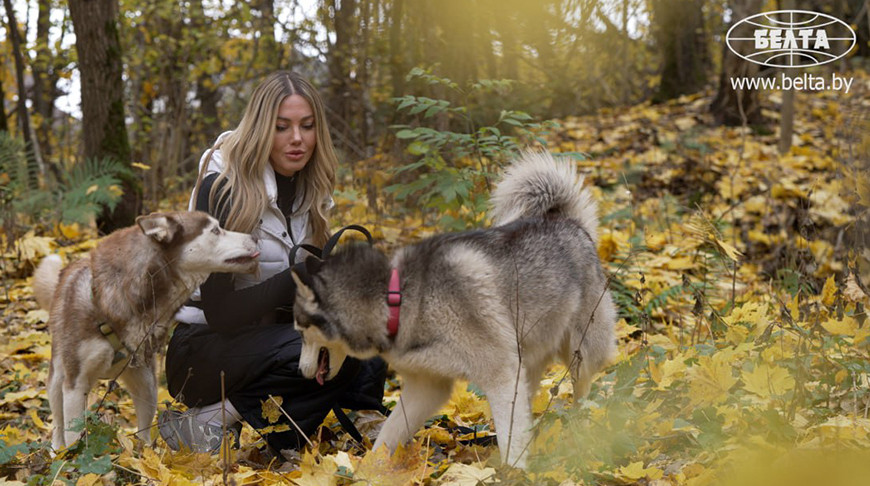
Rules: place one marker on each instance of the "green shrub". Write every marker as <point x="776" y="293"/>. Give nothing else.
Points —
<point x="454" y="167"/>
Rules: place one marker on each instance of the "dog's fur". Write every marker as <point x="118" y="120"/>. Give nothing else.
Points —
<point x="134" y="280"/>
<point x="492" y="306"/>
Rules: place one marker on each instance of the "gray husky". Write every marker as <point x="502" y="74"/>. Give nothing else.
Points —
<point x="493" y="306"/>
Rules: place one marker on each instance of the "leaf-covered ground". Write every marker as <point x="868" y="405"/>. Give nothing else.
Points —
<point x="742" y="277"/>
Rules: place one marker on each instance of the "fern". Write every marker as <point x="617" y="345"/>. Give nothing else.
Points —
<point x="81" y="192"/>
<point x="14" y="182"/>
<point x="623" y="297"/>
<point x="13" y="166"/>
<point x="89" y="187"/>
<point x="660" y="300"/>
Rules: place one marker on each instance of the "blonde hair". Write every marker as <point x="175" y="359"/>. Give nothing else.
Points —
<point x="245" y="153"/>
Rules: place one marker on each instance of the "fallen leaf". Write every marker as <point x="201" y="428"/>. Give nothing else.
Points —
<point x="847" y="326"/>
<point x="467" y="475"/>
<point x="272" y="408"/>
<point x="635" y="471"/>
<point x="404" y="467"/>
<point x="768" y="381"/>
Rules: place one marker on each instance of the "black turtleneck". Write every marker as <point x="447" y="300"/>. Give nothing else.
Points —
<point x="286" y="197"/>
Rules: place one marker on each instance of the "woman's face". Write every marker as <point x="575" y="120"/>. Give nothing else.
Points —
<point x="295" y="136"/>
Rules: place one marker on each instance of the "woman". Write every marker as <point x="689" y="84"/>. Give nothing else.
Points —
<point x="235" y="346"/>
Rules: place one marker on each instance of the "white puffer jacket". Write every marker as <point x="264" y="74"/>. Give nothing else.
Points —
<point x="273" y="239"/>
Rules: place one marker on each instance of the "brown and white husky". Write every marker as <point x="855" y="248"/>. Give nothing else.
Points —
<point x="110" y="312"/>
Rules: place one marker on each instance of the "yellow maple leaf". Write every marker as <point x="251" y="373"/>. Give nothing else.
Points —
<point x="680" y="263"/>
<point x="847" y="326"/>
<point x="89" y="479"/>
<point x="768" y="380"/>
<point x="752" y="312"/>
<point x="829" y="291"/>
<point x="21" y="396"/>
<point x="246" y="475"/>
<point x="36" y="420"/>
<point x="150" y="466"/>
<point x="786" y="190"/>
<point x="736" y="334"/>
<point x="70" y="231"/>
<point x="467" y="475"/>
<point x="316" y="470"/>
<point x="711" y="378"/>
<point x="272" y="408"/>
<point x="655" y="241"/>
<point x="670" y="371"/>
<point x="465" y="407"/>
<point x="30" y="247"/>
<point x="184" y="464"/>
<point x="437" y="435"/>
<point x="12" y="435"/>
<point x="635" y="471"/>
<point x="404" y="467"/>
<point x="624" y="329"/>
<point x="607" y="246"/>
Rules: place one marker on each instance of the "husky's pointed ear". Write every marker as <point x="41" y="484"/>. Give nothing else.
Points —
<point x="160" y="227"/>
<point x="312" y="265"/>
<point x="304" y="283"/>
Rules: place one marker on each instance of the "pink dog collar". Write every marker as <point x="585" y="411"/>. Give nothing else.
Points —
<point x="394" y="301"/>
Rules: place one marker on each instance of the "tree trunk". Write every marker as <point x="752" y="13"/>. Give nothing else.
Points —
<point x="172" y="128"/>
<point x="34" y="162"/>
<point x="45" y="79"/>
<point x="786" y="111"/>
<point x="103" y="126"/>
<point x="508" y="22"/>
<point x="786" y="121"/>
<point x="459" y="55"/>
<point x="736" y="107"/>
<point x="339" y="62"/>
<point x="398" y="65"/>
<point x="362" y="87"/>
<point x="205" y="119"/>
<point x="679" y="31"/>
<point x="270" y="51"/>
<point x="4" y="121"/>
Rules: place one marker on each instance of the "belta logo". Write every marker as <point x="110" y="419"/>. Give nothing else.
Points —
<point x="790" y="38"/>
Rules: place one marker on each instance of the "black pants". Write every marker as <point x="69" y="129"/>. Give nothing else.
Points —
<point x="258" y="362"/>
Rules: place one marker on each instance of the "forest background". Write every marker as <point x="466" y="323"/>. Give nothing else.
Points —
<point x="734" y="221"/>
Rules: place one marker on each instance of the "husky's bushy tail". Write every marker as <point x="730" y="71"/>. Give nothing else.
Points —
<point x="537" y="184"/>
<point x="45" y="280"/>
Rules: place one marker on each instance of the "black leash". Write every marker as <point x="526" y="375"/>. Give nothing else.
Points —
<point x="305" y="246"/>
<point x="333" y="240"/>
<point x="347" y="424"/>
<point x="323" y="253"/>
